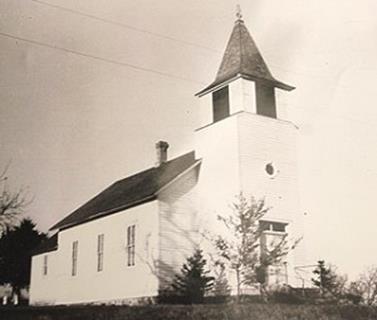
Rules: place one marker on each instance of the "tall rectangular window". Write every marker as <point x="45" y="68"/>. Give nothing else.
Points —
<point x="131" y="245"/>
<point x="45" y="265"/>
<point x="220" y="104"/>
<point x="75" y="248"/>
<point x="100" y="247"/>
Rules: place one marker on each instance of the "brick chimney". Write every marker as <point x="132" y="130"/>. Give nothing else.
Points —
<point x="162" y="152"/>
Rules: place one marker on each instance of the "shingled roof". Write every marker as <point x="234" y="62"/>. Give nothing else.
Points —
<point x="48" y="245"/>
<point x="134" y="190"/>
<point x="243" y="59"/>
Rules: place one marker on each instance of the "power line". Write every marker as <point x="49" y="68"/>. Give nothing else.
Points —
<point x="86" y="55"/>
<point x="159" y="35"/>
<point x="124" y="64"/>
<point x="123" y="25"/>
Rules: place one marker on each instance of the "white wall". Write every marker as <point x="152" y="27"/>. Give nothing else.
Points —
<point x="205" y="110"/>
<point x="178" y="233"/>
<point x="235" y="152"/>
<point x="265" y="140"/>
<point x="219" y="180"/>
<point x="41" y="285"/>
<point x="242" y="96"/>
<point x="117" y="281"/>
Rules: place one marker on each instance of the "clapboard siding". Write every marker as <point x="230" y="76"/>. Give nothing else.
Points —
<point x="264" y="140"/>
<point x="178" y="224"/>
<point x="117" y="282"/>
<point x="235" y="153"/>
<point x="43" y="286"/>
<point x="219" y="182"/>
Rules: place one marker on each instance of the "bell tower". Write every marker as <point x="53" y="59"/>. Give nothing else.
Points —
<point x="243" y="81"/>
<point x="243" y="144"/>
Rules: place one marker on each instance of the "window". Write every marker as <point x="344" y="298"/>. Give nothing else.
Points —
<point x="266" y="105"/>
<point x="220" y="102"/>
<point x="100" y="246"/>
<point x="264" y="225"/>
<point x="272" y="226"/>
<point x="278" y="227"/>
<point x="131" y="245"/>
<point x="75" y="247"/>
<point x="45" y="265"/>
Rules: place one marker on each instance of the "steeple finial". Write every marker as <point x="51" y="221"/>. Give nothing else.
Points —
<point x="238" y="13"/>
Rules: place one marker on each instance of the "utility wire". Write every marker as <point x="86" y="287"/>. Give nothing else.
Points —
<point x="123" y="25"/>
<point x="159" y="35"/>
<point x="164" y="74"/>
<point x="123" y="64"/>
<point x="87" y="55"/>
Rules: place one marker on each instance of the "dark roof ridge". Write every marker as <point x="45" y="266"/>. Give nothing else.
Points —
<point x="239" y="21"/>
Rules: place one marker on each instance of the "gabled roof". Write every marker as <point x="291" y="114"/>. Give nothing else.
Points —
<point x="243" y="59"/>
<point x="132" y="191"/>
<point x="48" y="245"/>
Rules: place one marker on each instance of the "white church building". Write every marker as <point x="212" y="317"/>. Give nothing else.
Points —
<point x="129" y="240"/>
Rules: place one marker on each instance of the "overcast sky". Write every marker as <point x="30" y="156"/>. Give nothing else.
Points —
<point x="88" y="86"/>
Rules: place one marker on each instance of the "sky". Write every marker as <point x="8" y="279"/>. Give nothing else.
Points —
<point x="88" y="86"/>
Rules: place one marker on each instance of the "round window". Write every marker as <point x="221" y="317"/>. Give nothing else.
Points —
<point x="270" y="169"/>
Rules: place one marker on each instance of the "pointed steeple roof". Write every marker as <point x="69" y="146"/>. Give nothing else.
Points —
<point x="243" y="59"/>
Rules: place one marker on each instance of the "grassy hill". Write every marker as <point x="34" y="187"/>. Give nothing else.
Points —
<point x="196" y="312"/>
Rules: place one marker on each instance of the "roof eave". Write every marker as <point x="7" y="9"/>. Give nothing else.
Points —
<point x="61" y="226"/>
<point x="38" y="252"/>
<point x="284" y="86"/>
<point x="218" y="84"/>
<point x="195" y="164"/>
<point x="270" y="81"/>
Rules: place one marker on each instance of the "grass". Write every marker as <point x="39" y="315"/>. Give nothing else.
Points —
<point x="196" y="312"/>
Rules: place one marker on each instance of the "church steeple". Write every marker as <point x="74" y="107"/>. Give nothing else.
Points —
<point x="243" y="82"/>
<point x="243" y="59"/>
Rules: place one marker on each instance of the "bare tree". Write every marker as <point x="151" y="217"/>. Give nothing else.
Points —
<point x="12" y="202"/>
<point x="367" y="285"/>
<point x="221" y="286"/>
<point x="243" y="250"/>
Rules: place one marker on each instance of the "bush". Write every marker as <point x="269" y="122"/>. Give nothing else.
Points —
<point x="168" y="296"/>
<point x="353" y="298"/>
<point x="217" y="299"/>
<point x="192" y="284"/>
<point x="288" y="296"/>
